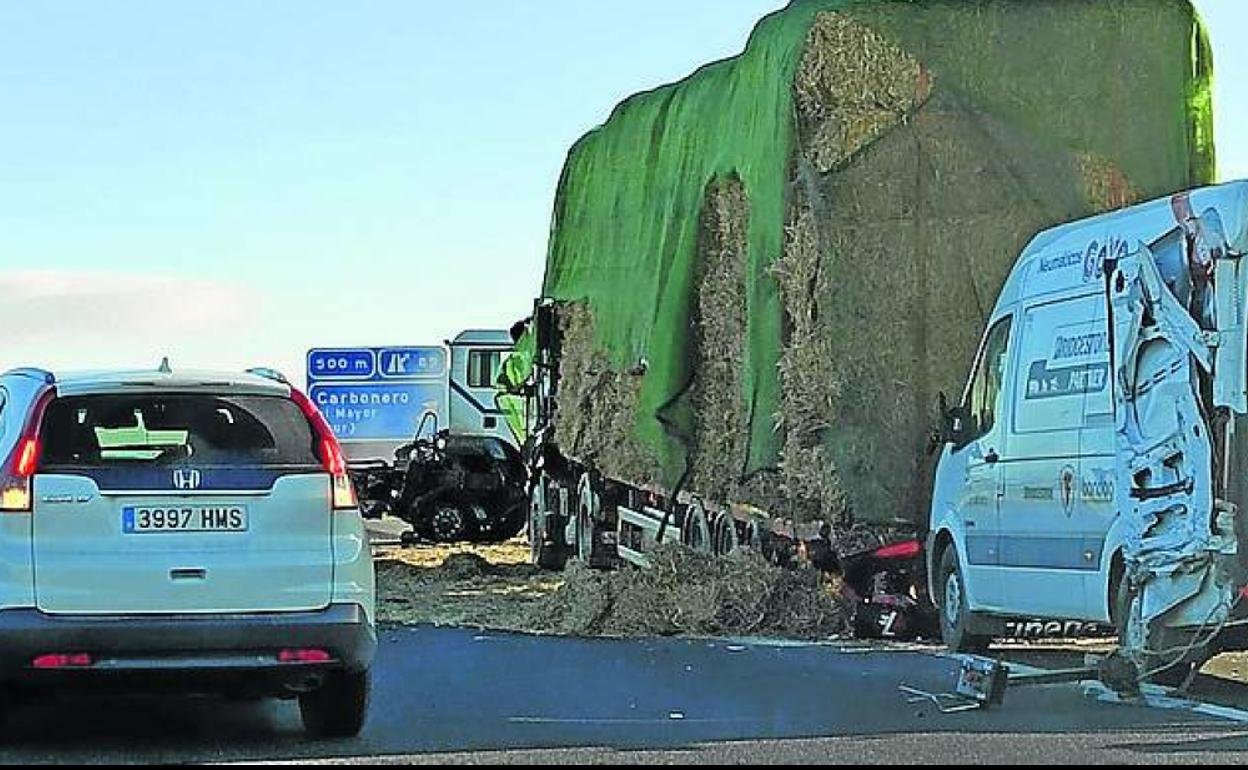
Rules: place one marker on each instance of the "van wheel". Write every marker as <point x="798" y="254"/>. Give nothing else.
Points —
<point x="954" y="616"/>
<point x="338" y="708"/>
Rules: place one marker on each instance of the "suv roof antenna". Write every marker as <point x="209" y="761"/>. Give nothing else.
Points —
<point x="164" y="366"/>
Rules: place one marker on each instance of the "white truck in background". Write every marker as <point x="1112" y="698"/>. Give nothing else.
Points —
<point x="1097" y="464"/>
<point x="476" y="356"/>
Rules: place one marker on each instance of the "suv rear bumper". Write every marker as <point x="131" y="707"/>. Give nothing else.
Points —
<point x="237" y="651"/>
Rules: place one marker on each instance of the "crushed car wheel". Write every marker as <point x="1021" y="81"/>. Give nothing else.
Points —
<point x="448" y="524"/>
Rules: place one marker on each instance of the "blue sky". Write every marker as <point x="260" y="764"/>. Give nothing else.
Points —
<point x="230" y="183"/>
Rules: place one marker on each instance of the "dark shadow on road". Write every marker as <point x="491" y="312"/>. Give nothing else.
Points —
<point x="1228" y="743"/>
<point x="454" y="690"/>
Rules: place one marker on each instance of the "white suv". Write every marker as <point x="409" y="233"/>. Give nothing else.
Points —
<point x="195" y="530"/>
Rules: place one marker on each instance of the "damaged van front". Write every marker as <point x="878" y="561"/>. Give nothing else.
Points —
<point x="1178" y="307"/>
<point x="1095" y="468"/>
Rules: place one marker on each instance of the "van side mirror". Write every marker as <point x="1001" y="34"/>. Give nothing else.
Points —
<point x="955" y="426"/>
<point x="959" y="430"/>
<point x="943" y="426"/>
<point x="936" y="438"/>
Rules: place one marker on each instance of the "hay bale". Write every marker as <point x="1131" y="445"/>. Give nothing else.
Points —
<point x="1104" y="184"/>
<point x="596" y="418"/>
<point x="852" y="86"/>
<point x="906" y="208"/>
<point x="578" y="608"/>
<point x="890" y="267"/>
<point x="721" y="423"/>
<point x="808" y="394"/>
<point x="689" y="593"/>
<point x="464" y="566"/>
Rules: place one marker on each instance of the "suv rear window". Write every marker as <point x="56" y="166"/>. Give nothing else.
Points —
<point x="175" y="429"/>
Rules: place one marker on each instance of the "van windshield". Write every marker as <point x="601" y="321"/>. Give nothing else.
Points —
<point x="169" y="429"/>
<point x="984" y="398"/>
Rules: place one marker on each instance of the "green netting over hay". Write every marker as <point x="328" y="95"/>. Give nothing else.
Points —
<point x="1114" y="92"/>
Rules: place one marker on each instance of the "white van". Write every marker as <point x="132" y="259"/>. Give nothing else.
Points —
<point x="1088" y="473"/>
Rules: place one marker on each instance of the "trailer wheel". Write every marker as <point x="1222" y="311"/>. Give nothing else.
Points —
<point x="544" y="550"/>
<point x="725" y="534"/>
<point x="588" y="510"/>
<point x="754" y="536"/>
<point x="694" y="530"/>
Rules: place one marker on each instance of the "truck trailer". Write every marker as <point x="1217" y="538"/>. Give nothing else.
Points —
<point x="760" y="278"/>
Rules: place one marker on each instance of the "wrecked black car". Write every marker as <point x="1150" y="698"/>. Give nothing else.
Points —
<point x="450" y="488"/>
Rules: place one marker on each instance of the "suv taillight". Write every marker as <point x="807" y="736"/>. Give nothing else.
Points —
<point x="330" y="452"/>
<point x="18" y="470"/>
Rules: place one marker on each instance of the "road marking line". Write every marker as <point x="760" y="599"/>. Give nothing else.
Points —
<point x="1157" y="697"/>
<point x="1026" y="670"/>
<point x="607" y="721"/>
<point x="845" y="646"/>
<point x="1154" y="697"/>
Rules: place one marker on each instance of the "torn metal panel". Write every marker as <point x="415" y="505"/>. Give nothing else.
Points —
<point x="1179" y="353"/>
<point x="1231" y="359"/>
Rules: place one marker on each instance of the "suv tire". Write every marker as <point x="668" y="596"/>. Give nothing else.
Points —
<point x="338" y="708"/>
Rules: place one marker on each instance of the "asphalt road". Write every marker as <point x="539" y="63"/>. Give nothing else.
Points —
<point x="655" y="701"/>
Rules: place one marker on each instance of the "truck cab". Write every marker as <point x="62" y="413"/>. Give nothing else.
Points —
<point x="476" y="359"/>
<point x="1088" y="470"/>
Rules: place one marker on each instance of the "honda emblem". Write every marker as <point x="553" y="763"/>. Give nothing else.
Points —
<point x="186" y="478"/>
